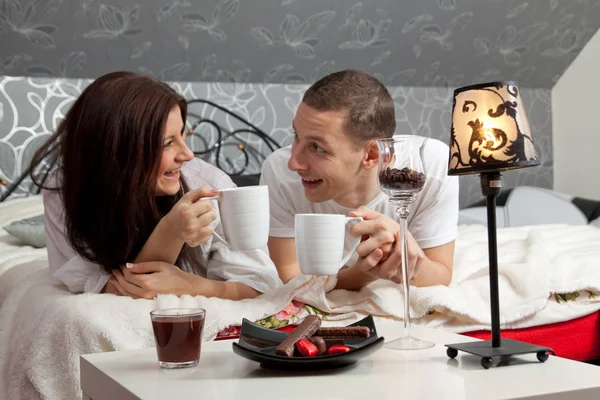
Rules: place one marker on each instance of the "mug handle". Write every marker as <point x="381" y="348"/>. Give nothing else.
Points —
<point x="354" y="244"/>
<point x="209" y="198"/>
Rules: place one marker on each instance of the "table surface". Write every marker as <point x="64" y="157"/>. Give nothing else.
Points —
<point x="386" y="374"/>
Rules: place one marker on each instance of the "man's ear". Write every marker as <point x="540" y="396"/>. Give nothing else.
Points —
<point x="371" y="159"/>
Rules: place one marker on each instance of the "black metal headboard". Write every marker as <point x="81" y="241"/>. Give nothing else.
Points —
<point x="215" y="134"/>
<point x="226" y="139"/>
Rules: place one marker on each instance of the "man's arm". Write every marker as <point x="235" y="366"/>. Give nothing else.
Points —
<point x="435" y="268"/>
<point x="353" y="279"/>
<point x="283" y="253"/>
<point x="432" y="267"/>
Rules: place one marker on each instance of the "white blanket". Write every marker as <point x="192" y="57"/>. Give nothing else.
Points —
<point x="539" y="266"/>
<point x="44" y="329"/>
<point x="12" y="251"/>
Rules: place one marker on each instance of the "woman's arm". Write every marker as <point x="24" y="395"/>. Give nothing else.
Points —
<point x="228" y="274"/>
<point x="66" y="265"/>
<point x="111" y="287"/>
<point x="223" y="290"/>
<point x="147" y="280"/>
<point x="162" y="245"/>
<point x="188" y="222"/>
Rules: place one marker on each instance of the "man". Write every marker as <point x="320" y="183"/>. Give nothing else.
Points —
<point x="331" y="168"/>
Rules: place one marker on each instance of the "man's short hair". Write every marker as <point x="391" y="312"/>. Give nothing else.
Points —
<point x="366" y="103"/>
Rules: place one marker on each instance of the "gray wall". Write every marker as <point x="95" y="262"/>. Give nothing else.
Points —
<point x="31" y="108"/>
<point x="420" y="49"/>
<point x="405" y="42"/>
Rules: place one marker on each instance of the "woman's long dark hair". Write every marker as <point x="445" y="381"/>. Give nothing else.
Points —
<point x="109" y="149"/>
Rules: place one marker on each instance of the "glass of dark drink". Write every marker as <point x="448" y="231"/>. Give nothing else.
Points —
<point x="178" y="336"/>
<point x="402" y="176"/>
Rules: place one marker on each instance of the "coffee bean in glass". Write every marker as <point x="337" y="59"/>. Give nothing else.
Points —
<point x="403" y="179"/>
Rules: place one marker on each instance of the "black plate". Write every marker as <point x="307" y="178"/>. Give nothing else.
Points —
<point x="258" y="344"/>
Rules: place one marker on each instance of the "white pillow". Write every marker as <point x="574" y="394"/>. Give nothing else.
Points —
<point x="527" y="205"/>
<point x="478" y="216"/>
<point x="30" y="231"/>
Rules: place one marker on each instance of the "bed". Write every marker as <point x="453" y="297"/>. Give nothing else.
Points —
<point x="577" y="338"/>
<point x="549" y="279"/>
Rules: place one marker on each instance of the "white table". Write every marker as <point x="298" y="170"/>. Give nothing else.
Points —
<point x="387" y="374"/>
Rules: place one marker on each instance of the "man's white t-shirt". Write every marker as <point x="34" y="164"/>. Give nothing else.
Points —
<point x="433" y="218"/>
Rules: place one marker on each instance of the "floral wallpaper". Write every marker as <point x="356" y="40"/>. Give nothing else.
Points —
<point x="31" y="108"/>
<point x="444" y="43"/>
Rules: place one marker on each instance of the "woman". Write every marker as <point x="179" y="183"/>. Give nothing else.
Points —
<point x="125" y="205"/>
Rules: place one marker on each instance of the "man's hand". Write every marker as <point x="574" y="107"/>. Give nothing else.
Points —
<point x="377" y="230"/>
<point x="391" y="268"/>
<point x="380" y="252"/>
<point x="380" y="255"/>
<point x="149" y="279"/>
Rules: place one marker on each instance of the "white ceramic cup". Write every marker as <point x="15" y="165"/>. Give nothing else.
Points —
<point x="245" y="216"/>
<point x="320" y="242"/>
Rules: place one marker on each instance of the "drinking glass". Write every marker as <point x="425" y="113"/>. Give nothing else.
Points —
<point x="402" y="175"/>
<point x="178" y="336"/>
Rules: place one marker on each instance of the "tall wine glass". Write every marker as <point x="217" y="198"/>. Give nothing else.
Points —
<point x="402" y="175"/>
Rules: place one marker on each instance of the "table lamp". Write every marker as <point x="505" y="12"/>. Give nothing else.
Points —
<point x="490" y="133"/>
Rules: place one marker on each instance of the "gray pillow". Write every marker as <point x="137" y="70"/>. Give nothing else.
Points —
<point x="29" y="230"/>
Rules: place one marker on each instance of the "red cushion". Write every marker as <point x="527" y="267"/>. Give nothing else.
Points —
<point x="577" y="339"/>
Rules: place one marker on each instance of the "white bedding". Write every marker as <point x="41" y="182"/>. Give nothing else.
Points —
<point x="12" y="252"/>
<point x="44" y="329"/>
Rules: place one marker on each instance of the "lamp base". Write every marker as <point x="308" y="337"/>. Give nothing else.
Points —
<point x="508" y="348"/>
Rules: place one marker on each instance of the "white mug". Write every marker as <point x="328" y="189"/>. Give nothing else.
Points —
<point x="245" y="216"/>
<point x="320" y="242"/>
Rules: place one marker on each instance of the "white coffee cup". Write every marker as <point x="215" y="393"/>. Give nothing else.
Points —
<point x="320" y="242"/>
<point x="245" y="216"/>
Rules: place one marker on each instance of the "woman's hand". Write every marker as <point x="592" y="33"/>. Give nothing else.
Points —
<point x="149" y="279"/>
<point x="190" y="218"/>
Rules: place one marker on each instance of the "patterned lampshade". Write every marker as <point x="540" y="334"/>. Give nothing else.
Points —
<point x="490" y="130"/>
